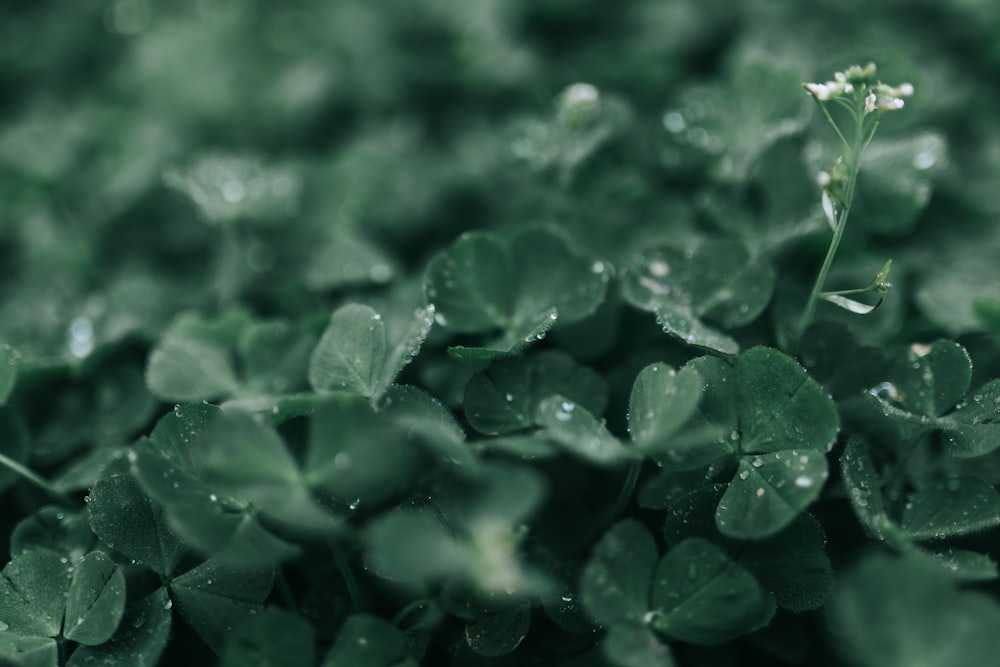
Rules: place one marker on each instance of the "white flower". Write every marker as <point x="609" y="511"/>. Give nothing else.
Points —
<point x="819" y="90"/>
<point x="904" y="89"/>
<point x="891" y="104"/>
<point x="870" y="103"/>
<point x="823" y="179"/>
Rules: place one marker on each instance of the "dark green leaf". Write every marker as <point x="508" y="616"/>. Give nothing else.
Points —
<point x="793" y="565"/>
<point x="864" y="489"/>
<point x="351" y="353"/>
<point x="274" y="356"/>
<point x="270" y="639"/>
<point x="701" y="596"/>
<point x="768" y="492"/>
<point x="140" y="639"/>
<point x="504" y="398"/>
<point x="614" y="586"/>
<point x="578" y="431"/>
<point x="499" y="626"/>
<point x="931" y="379"/>
<point x="967" y="565"/>
<point x="900" y="612"/>
<point x="33" y="590"/>
<point x="531" y="330"/>
<point x="411" y="546"/>
<point x="187" y="369"/>
<point x="780" y="406"/>
<point x="973" y="428"/>
<point x="625" y="646"/>
<point x="368" y="641"/>
<point x="355" y="454"/>
<point x="17" y="651"/>
<point x="404" y="344"/>
<point x="956" y="507"/>
<point x="96" y="600"/>
<point x="214" y="599"/>
<point x="836" y="359"/>
<point x="680" y="322"/>
<point x="426" y="419"/>
<point x="469" y="284"/>
<point x="129" y="522"/>
<point x="662" y="401"/>
<point x="55" y="529"/>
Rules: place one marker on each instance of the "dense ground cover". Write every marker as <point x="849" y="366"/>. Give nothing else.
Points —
<point x="481" y="332"/>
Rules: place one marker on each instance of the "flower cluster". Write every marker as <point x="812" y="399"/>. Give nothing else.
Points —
<point x="878" y="96"/>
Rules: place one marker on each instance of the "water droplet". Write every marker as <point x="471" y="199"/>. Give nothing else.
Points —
<point x="674" y="122"/>
<point x="353" y="505"/>
<point x="760" y="492"/>
<point x="744" y="474"/>
<point x="3" y="626"/>
<point x="804" y="481"/>
<point x="81" y="337"/>
<point x="757" y="462"/>
<point x="567" y="598"/>
<point x="509" y="397"/>
<point x="440" y="319"/>
<point x="233" y="191"/>
<point x="214" y="498"/>
<point x="597" y="267"/>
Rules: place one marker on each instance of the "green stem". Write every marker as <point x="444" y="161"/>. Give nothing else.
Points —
<point x="627" y="488"/>
<point x="854" y="156"/>
<point x="348" y="576"/>
<point x="35" y="479"/>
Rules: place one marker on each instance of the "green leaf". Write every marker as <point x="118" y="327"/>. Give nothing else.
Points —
<point x="9" y="362"/>
<point x="168" y="466"/>
<point x="864" y="489"/>
<point x="987" y="309"/>
<point x="614" y="586"/>
<point x="351" y="353"/>
<point x="769" y="491"/>
<point x="344" y="259"/>
<point x="426" y="419"/>
<point x="411" y="546"/>
<point x="900" y="612"/>
<point x="662" y="401"/>
<point x="129" y="522"/>
<point x="958" y="506"/>
<point x="355" y="454"/>
<point x="231" y="188"/>
<point x="500" y="625"/>
<point x="244" y="459"/>
<point x="504" y="398"/>
<point x="531" y="330"/>
<point x="898" y="182"/>
<point x="780" y="406"/>
<point x="729" y="125"/>
<point x="140" y="640"/>
<point x="483" y="282"/>
<point x="213" y="598"/>
<point x="55" y="529"/>
<point x="701" y="596"/>
<point x="368" y="641"/>
<point x="404" y="342"/>
<point x="469" y="284"/>
<point x="712" y="431"/>
<point x="17" y="651"/>
<point x="833" y="357"/>
<point x="575" y="429"/>
<point x="793" y="565"/>
<point x="714" y="281"/>
<point x="187" y="369"/>
<point x="270" y="639"/>
<point x="967" y="565"/>
<point x="274" y="356"/>
<point x="931" y="379"/>
<point x="957" y="273"/>
<point x="625" y="646"/>
<point x="33" y="590"/>
<point x="96" y="600"/>
<point x="973" y="428"/>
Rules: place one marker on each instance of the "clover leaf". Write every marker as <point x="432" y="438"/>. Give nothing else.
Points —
<point x="888" y="612"/>
<point x="368" y="641"/>
<point x="518" y="285"/>
<point x="504" y="398"/>
<point x="927" y="382"/>
<point x="662" y="401"/>
<point x="96" y="600"/>
<point x="355" y="355"/>
<point x="714" y="281"/>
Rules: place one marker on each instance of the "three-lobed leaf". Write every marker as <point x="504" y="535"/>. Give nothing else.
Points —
<point x="614" y="585"/>
<point x="96" y="600"/>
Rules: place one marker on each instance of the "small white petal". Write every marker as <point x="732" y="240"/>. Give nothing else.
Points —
<point x="904" y="90"/>
<point x="870" y="103"/>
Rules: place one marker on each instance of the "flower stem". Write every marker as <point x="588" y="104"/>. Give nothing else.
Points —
<point x="35" y="479"/>
<point x="854" y="161"/>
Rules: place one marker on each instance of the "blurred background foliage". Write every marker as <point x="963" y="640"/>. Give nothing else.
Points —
<point x="252" y="159"/>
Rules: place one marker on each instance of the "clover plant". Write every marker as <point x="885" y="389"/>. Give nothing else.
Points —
<point x="454" y="333"/>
